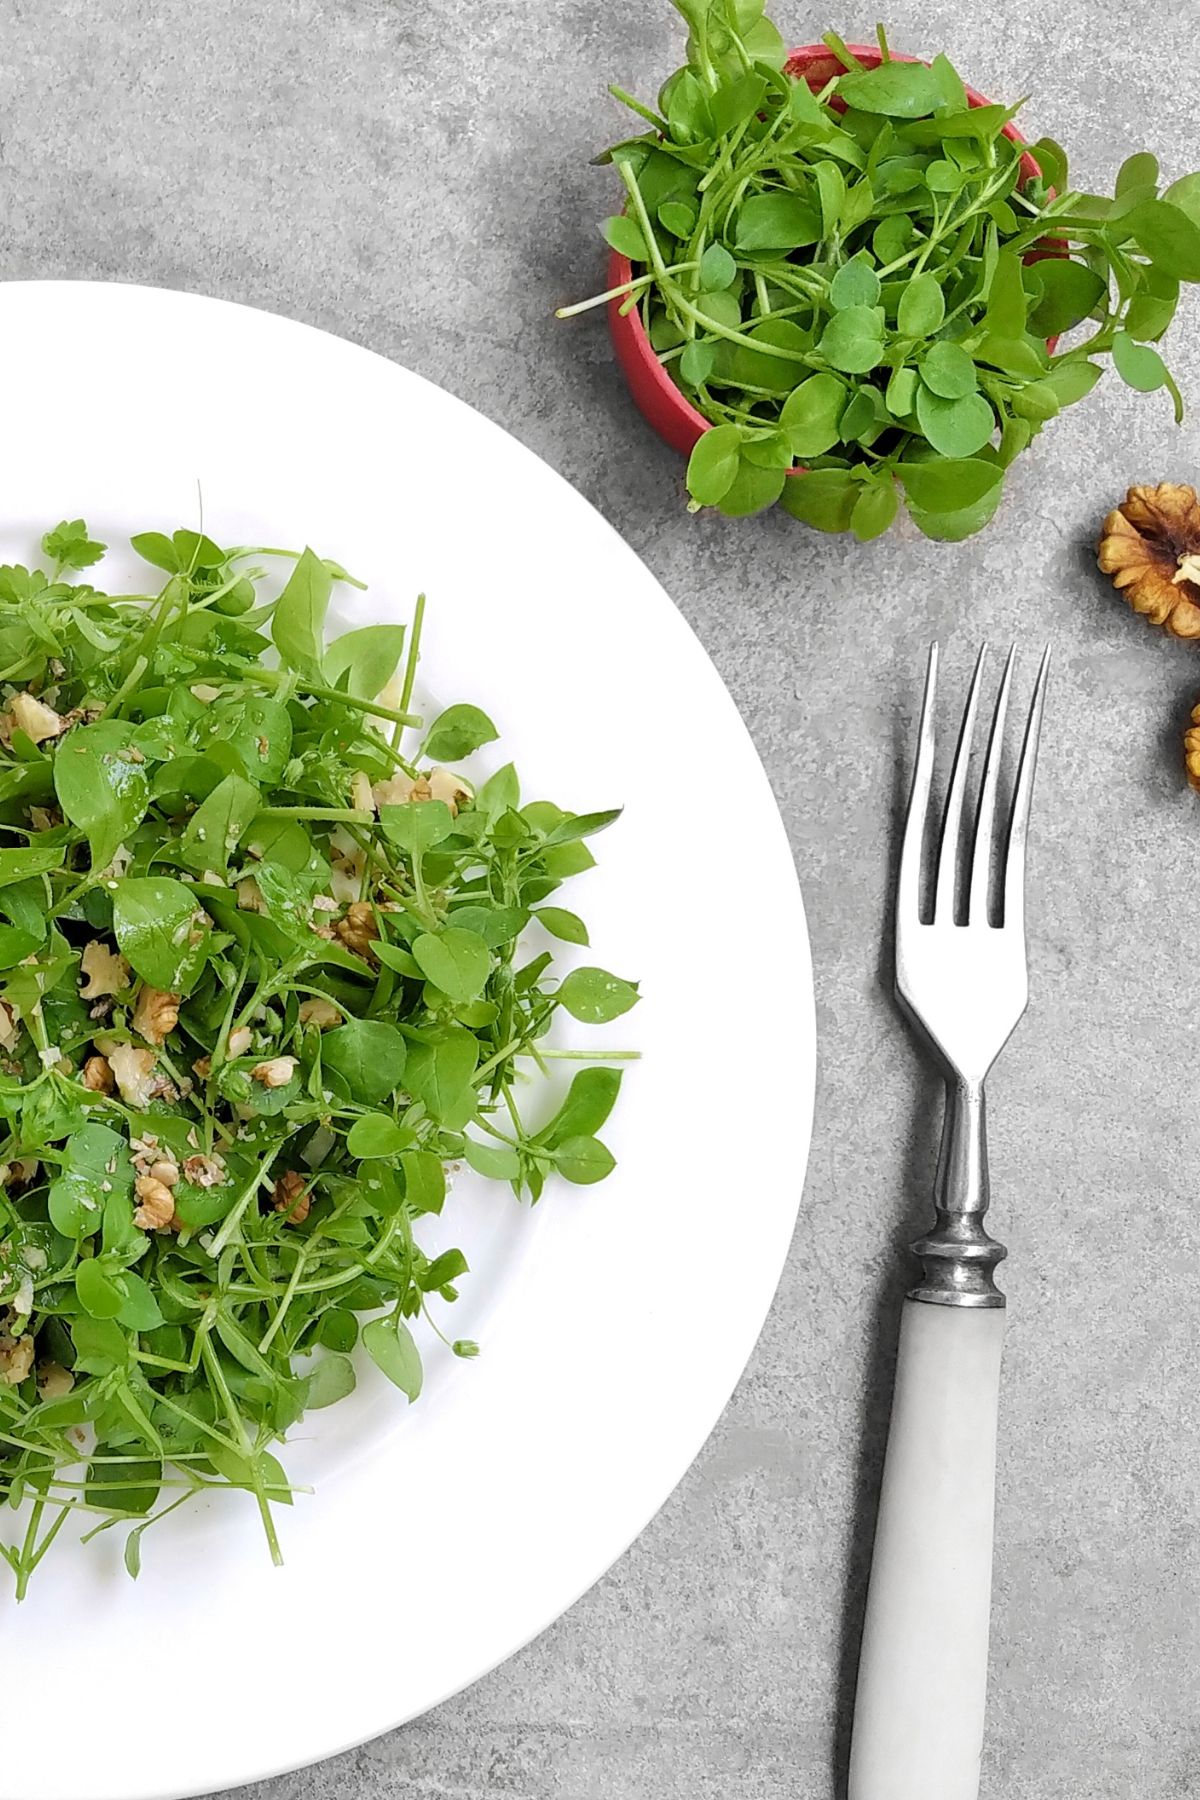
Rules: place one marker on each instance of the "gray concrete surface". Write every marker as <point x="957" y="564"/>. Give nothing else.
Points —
<point x="415" y="177"/>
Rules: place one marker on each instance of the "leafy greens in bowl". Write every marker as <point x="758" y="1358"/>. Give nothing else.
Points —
<point x="846" y="264"/>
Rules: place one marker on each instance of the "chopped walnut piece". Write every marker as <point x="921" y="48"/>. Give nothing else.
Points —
<point x="107" y="971"/>
<point x="321" y="1013"/>
<point x="166" y="1170"/>
<point x="202" y="1067"/>
<point x="156" y="1014"/>
<point x="1150" y="545"/>
<point x="358" y="928"/>
<point x="361" y="797"/>
<point x="53" y="1381"/>
<point x="16" y="1358"/>
<point x="9" y="1028"/>
<point x="445" y="785"/>
<point x="133" y="1070"/>
<point x="44" y="818"/>
<point x="290" y="1197"/>
<point x="35" y="718"/>
<point x="249" y="895"/>
<point x="97" y="1075"/>
<point x="240" y="1040"/>
<point x="401" y="790"/>
<point x="204" y="1171"/>
<point x="276" y="1072"/>
<point x="157" y="1204"/>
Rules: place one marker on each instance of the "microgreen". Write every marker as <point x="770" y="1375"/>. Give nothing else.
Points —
<point x="858" y="280"/>
<point x="261" y="984"/>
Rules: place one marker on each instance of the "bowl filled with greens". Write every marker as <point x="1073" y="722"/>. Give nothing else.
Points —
<point x="839" y="279"/>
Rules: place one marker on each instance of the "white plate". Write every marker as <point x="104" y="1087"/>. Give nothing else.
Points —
<point x="614" y="1320"/>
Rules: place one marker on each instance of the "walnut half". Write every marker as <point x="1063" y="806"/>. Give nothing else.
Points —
<point x="1150" y="545"/>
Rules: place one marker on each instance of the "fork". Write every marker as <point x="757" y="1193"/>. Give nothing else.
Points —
<point x="922" y="1677"/>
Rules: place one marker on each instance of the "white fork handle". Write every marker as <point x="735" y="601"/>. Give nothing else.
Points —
<point x="922" y="1677"/>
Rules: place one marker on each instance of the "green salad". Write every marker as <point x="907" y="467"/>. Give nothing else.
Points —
<point x="261" y="982"/>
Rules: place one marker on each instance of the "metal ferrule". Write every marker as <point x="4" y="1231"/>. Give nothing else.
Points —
<point x="958" y="1257"/>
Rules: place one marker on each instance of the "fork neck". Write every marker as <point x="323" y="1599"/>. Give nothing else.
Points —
<point x="958" y="1256"/>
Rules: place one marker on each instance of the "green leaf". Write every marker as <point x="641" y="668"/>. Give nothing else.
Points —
<point x="418" y="826"/>
<point x="97" y="1289"/>
<point x="713" y="464"/>
<point x="217" y="826"/>
<point x="157" y="550"/>
<point x="440" y="1072"/>
<point x="956" y="428"/>
<point x="1073" y="381"/>
<point x="697" y="361"/>
<point x="777" y="221"/>
<point x="1138" y="365"/>
<point x="456" y="961"/>
<point x="100" y="1345"/>
<point x="70" y="547"/>
<point x="1038" y="401"/>
<point x="677" y="217"/>
<point x="458" y="731"/>
<point x="1051" y="159"/>
<point x="1184" y="195"/>
<point x="752" y="490"/>
<point x="831" y="188"/>
<point x="139" y="1310"/>
<point x="717" y="269"/>
<point x="952" y="95"/>
<point x="96" y="1163"/>
<point x="594" y="996"/>
<point x="874" y="510"/>
<point x="101" y="787"/>
<point x="811" y="414"/>
<point x="298" y="623"/>
<point x="1070" y="292"/>
<point x="1005" y="315"/>
<point x="256" y="727"/>
<point x="953" y="527"/>
<point x="922" y="307"/>
<point x="1015" y="356"/>
<point x="378" y="1135"/>
<point x="894" y="89"/>
<point x="1168" y="236"/>
<point x="368" y="1054"/>
<point x="161" y="931"/>
<point x="853" y="340"/>
<point x="1136" y="172"/>
<point x="30" y="860"/>
<point x="562" y="924"/>
<point x="364" y="661"/>
<point x="122" y="1487"/>
<point x="583" y="1160"/>
<point x="855" y="284"/>
<point x="947" y="370"/>
<point x="496" y="1161"/>
<point x="424" y="1181"/>
<point x="389" y="1344"/>
<point x="1153" y="306"/>
<point x="330" y="1381"/>
<point x="823" y="498"/>
<point x="901" y="393"/>
<point x="442" y="1271"/>
<point x="625" y="236"/>
<point x="948" y="486"/>
<point x="590" y="1099"/>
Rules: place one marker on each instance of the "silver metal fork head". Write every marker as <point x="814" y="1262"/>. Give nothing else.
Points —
<point x="960" y="975"/>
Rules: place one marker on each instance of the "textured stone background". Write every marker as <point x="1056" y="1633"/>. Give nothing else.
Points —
<point x="416" y="177"/>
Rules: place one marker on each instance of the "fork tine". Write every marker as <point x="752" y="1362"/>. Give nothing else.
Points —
<point x="981" y="862"/>
<point x="1014" y="869"/>
<point x="943" y="907"/>
<point x="908" y="891"/>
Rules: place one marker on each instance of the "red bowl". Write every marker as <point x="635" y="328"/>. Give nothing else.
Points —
<point x="657" y="398"/>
